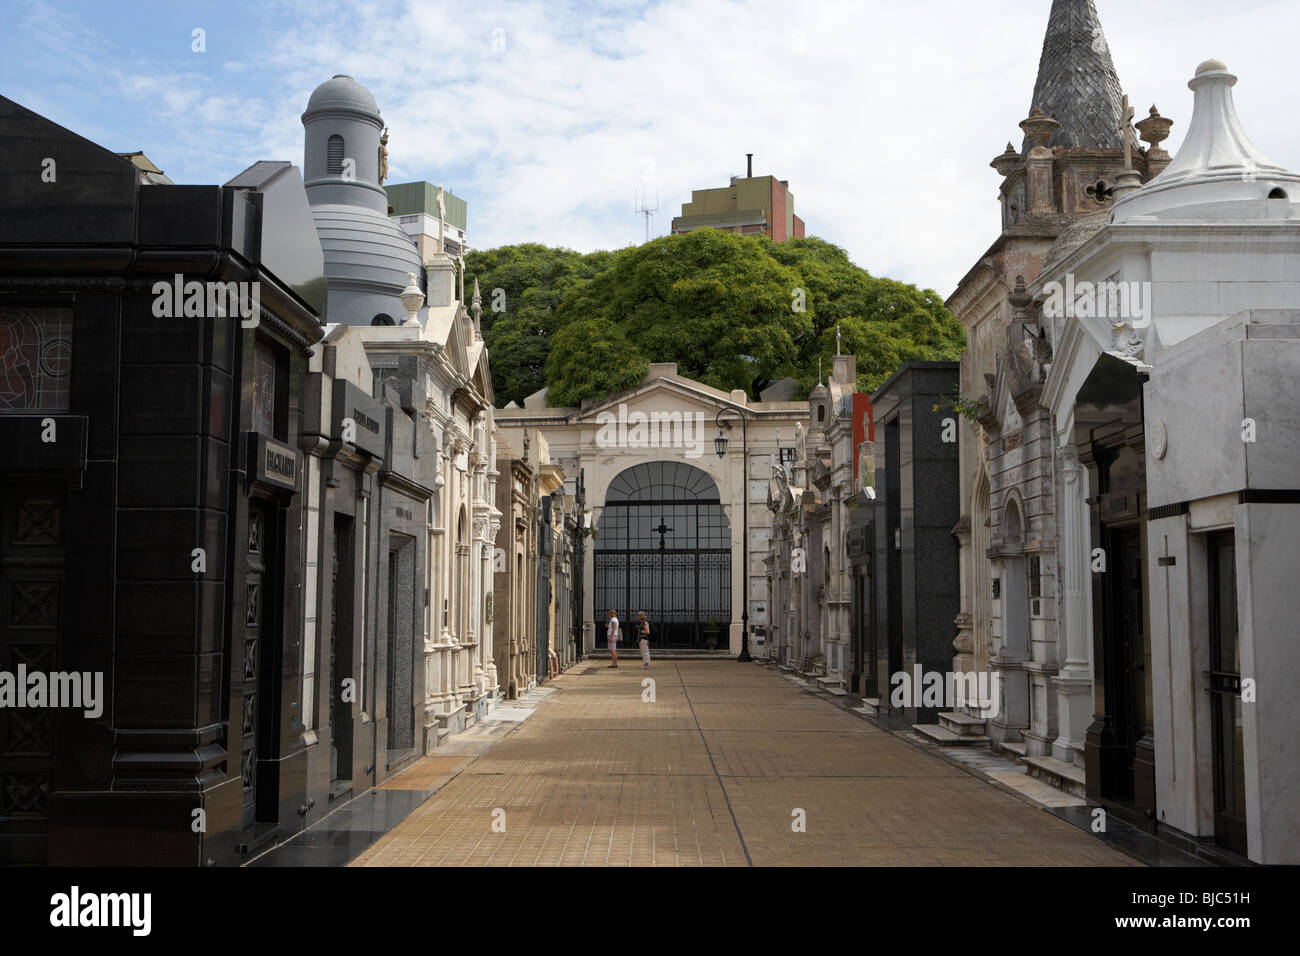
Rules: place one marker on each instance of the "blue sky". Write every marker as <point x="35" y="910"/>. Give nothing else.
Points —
<point x="550" y="118"/>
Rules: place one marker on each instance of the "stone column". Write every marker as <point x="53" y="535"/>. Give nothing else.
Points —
<point x="1038" y="166"/>
<point x="466" y="637"/>
<point x="492" y="681"/>
<point x="1074" y="682"/>
<point x="963" y="644"/>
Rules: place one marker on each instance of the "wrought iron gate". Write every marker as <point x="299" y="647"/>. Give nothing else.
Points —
<point x="664" y="547"/>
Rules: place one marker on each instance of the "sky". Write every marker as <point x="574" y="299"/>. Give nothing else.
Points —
<point x="555" y="121"/>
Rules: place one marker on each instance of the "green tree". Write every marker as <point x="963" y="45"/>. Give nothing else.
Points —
<point x="882" y="321"/>
<point x="731" y="311"/>
<point x="521" y="286"/>
<point x="591" y="358"/>
<point x="716" y="304"/>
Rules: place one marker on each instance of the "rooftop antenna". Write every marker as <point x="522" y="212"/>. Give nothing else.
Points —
<point x="647" y="211"/>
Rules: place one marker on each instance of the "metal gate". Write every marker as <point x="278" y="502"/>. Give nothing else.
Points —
<point x="664" y="547"/>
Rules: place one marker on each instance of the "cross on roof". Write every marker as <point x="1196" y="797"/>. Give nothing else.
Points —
<point x="1126" y="132"/>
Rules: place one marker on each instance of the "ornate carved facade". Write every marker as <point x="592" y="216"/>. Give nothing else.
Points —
<point x="1056" y="193"/>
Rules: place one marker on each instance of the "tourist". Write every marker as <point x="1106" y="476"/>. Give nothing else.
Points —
<point x="643" y="632"/>
<point x="612" y="633"/>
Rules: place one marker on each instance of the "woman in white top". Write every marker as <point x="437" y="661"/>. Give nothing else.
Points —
<point x="612" y="635"/>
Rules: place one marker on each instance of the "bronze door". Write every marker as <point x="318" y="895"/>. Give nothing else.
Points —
<point x="1225" y="696"/>
<point x="32" y="563"/>
<point x="256" y="590"/>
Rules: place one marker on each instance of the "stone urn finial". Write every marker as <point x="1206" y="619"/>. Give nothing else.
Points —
<point x="412" y="299"/>
<point x="1039" y="128"/>
<point x="1006" y="161"/>
<point x="1154" y="129"/>
<point x="1020" y="298"/>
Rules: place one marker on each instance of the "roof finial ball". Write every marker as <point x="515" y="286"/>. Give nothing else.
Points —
<point x="1214" y="73"/>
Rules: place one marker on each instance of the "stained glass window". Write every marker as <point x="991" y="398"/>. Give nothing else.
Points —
<point x="35" y="358"/>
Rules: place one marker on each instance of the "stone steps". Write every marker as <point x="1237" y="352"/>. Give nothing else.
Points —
<point x="1016" y="747"/>
<point x="946" y="738"/>
<point x="627" y="654"/>
<point x="870" y="707"/>
<point x="962" y="724"/>
<point x="1062" y="775"/>
<point x="833" y="686"/>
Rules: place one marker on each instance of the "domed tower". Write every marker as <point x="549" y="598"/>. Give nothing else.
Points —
<point x="341" y="164"/>
<point x="368" y="257"/>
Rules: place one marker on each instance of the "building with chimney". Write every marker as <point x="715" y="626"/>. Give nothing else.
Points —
<point x="750" y="206"/>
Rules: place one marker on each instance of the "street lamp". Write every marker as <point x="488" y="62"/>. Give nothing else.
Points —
<point x="720" y="446"/>
<point x="581" y="530"/>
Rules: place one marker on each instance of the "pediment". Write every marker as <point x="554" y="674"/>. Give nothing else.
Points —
<point x="457" y="349"/>
<point x="663" y="396"/>
<point x="1008" y="415"/>
<point x="483" y="376"/>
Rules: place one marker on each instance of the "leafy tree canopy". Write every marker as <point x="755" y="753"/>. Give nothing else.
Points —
<point x="731" y="311"/>
<point x="592" y="358"/>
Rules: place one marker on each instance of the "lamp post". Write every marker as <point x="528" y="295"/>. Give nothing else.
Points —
<point x="720" y="446"/>
<point x="580" y="532"/>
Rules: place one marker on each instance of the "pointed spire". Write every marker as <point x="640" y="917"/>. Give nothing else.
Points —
<point x="1077" y="85"/>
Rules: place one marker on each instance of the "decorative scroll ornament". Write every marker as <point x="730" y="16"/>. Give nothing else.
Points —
<point x="1126" y="341"/>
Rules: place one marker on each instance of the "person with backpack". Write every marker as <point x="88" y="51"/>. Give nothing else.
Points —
<point x="612" y="633"/>
<point x="643" y="632"/>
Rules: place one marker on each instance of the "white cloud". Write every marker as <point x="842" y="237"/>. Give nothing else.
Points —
<point x="882" y="115"/>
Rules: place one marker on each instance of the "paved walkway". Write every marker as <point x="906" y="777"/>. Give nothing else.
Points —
<point x="716" y="771"/>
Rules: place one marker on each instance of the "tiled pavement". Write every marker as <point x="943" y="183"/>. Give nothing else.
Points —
<point x="710" y="773"/>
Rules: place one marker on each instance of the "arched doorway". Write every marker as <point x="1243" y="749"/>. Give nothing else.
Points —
<point x="664" y="547"/>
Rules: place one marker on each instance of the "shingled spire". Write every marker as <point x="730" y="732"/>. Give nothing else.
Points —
<point x="1077" y="84"/>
